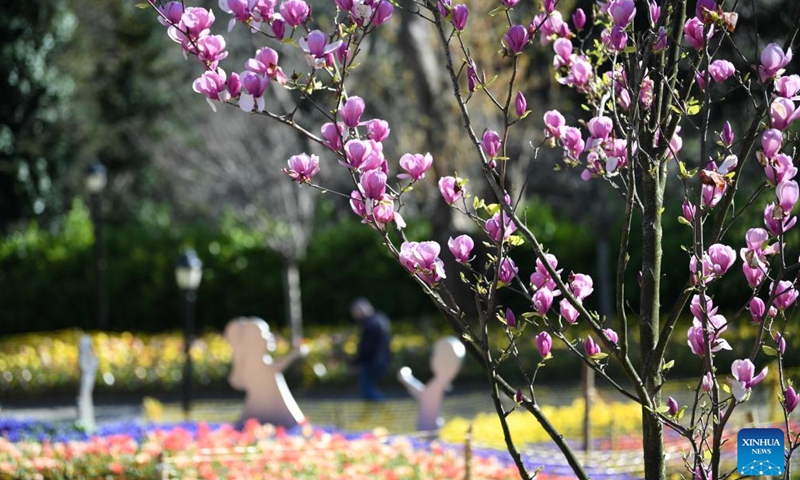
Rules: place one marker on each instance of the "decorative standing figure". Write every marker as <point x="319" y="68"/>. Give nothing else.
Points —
<point x="448" y="354"/>
<point x="267" y="396"/>
<point x="88" y="365"/>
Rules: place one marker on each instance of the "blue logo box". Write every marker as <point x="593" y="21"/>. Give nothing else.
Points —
<point x="760" y="451"/>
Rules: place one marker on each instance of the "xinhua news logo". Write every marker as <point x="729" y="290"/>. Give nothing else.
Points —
<point x="760" y="451"/>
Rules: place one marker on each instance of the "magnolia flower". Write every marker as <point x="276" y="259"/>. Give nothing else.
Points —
<point x="790" y="399"/>
<point x="516" y="38"/>
<point x="542" y="300"/>
<point x="568" y="311"/>
<point x="773" y="61"/>
<point x="422" y="258"/>
<point x="295" y="12"/>
<point x="461" y="247"/>
<point x="672" y="407"/>
<point x="707" y="383"/>
<point x="508" y="270"/>
<point x="590" y="347"/>
<point x="544" y="343"/>
<point x="511" y="319"/>
<point x="351" y="111"/>
<point x="302" y="167"/>
<point x="416" y="165"/>
<point x="744" y="381"/>
<point x="450" y="189"/>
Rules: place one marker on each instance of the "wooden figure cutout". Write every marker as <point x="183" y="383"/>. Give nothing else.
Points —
<point x="448" y="354"/>
<point x="267" y="396"/>
<point x="88" y="364"/>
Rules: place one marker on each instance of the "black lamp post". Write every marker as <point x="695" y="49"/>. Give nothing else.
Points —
<point x="188" y="273"/>
<point x="95" y="183"/>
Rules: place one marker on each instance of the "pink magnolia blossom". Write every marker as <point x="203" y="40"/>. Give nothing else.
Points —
<point x="581" y="285"/>
<point x="787" y="193"/>
<point x="508" y="270"/>
<point x="689" y="210"/>
<point x="622" y="12"/>
<point x="590" y="347"/>
<point x="612" y="337"/>
<point x="780" y="343"/>
<point x="332" y="135"/>
<point x="721" y="70"/>
<point x="672" y="407"/>
<point x="615" y="39"/>
<point x="511" y="319"/>
<point x="278" y="27"/>
<point x="785" y="294"/>
<point x="773" y="61"/>
<point x="357" y="204"/>
<point x="373" y="13"/>
<point x="743" y="371"/>
<point x="707" y="383"/>
<point x="211" y="49"/>
<point x="266" y="63"/>
<point x="520" y="104"/>
<point x="790" y="400"/>
<point x="775" y="220"/>
<point x="544" y="342"/>
<point x="717" y="325"/>
<point x="698" y="310"/>
<point x="212" y="84"/>
<point x="720" y="258"/>
<point x="601" y="127"/>
<point x="460" y="15"/>
<point x="542" y="300"/>
<point x="554" y="123"/>
<point x="782" y="113"/>
<point x="172" y="13"/>
<point x="377" y="129"/>
<point x="416" y="165"/>
<point x="359" y="154"/>
<point x="771" y="142"/>
<point x="295" y="12"/>
<point x="450" y="189"/>
<point x="302" y="167"/>
<point x="727" y="135"/>
<point x="509" y="3"/>
<point x="703" y="6"/>
<point x="351" y="111"/>
<point x="693" y="32"/>
<point x="655" y="12"/>
<point x="661" y="40"/>
<point x="383" y="212"/>
<point x="516" y="38"/>
<point x="568" y="311"/>
<point x="422" y="258"/>
<point x="563" y="50"/>
<point x="757" y="309"/>
<point x="254" y="86"/>
<point x="373" y="184"/>
<point x="540" y="278"/>
<point x="779" y="169"/>
<point x="754" y="275"/>
<point x="316" y="47"/>
<point x="498" y="228"/>
<point x="573" y="142"/>
<point x="461" y="247"/>
<point x="579" y="19"/>
<point x="491" y="143"/>
<point x="788" y="86"/>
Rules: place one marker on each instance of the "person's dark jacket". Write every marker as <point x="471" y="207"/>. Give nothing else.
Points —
<point x="373" y="347"/>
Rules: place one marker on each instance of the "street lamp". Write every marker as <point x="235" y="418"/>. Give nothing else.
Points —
<point x="95" y="183"/>
<point x="188" y="273"/>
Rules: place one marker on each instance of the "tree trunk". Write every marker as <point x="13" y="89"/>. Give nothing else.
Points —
<point x="653" y="182"/>
<point x="291" y="294"/>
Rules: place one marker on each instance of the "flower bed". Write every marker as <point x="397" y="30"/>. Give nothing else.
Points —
<point x="207" y="451"/>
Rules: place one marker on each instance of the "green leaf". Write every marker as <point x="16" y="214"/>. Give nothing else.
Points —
<point x="599" y="356"/>
<point x="515" y="240"/>
<point x="477" y="203"/>
<point x="725" y="387"/>
<point x="528" y="314"/>
<point x="496" y="11"/>
<point x="668" y="365"/>
<point x="693" y="110"/>
<point x="143" y="5"/>
<point x="772" y="352"/>
<point x="662" y="409"/>
<point x="684" y="221"/>
<point x="490" y="81"/>
<point x="680" y="413"/>
<point x="525" y="114"/>
<point x="493" y="208"/>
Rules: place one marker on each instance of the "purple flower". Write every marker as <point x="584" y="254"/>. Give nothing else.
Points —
<point x="460" y="14"/>
<point x="461" y="247"/>
<point x="590" y="348"/>
<point x="702" y="6"/>
<point x="516" y="38"/>
<point x="508" y="270"/>
<point x="544" y="343"/>
<point x="773" y="61"/>
<point x="352" y="110"/>
<point x="780" y="343"/>
<point x="688" y="210"/>
<point x="693" y="32"/>
<point x="655" y="12"/>
<point x="295" y="12"/>
<point x="422" y="258"/>
<point x="727" y="134"/>
<point x="278" y="27"/>
<point x="497" y="229"/>
<point x="617" y="38"/>
<point x="542" y="300"/>
<point x="491" y="143"/>
<point x="212" y="85"/>
<point x="622" y="12"/>
<point x="302" y="167"/>
<point x="511" y="319"/>
<point x="757" y="309"/>
<point x="707" y="382"/>
<point x="721" y="70"/>
<point x="790" y="399"/>
<point x="554" y="123"/>
<point x="581" y="285"/>
<point x="743" y="371"/>
<point x="520" y="104"/>
<point x="569" y="312"/>
<point x="579" y="19"/>
<point x="672" y="407"/>
<point x="786" y="294"/>
<point x="509" y="3"/>
<point x="787" y="193"/>
<point x="771" y="142"/>
<point x="720" y="258"/>
<point x="332" y="135"/>
<point x="612" y="337"/>
<point x="377" y="130"/>
<point x="780" y="169"/>
<point x="373" y="184"/>
<point x="316" y="45"/>
<point x="416" y="165"/>
<point x="359" y="154"/>
<point x="450" y="189"/>
<point x="787" y="86"/>
<point x="782" y="113"/>
<point x="661" y="40"/>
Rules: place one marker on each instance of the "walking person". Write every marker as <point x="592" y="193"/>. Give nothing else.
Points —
<point x="374" y="356"/>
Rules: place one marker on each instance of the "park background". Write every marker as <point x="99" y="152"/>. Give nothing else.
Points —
<point x="90" y="80"/>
